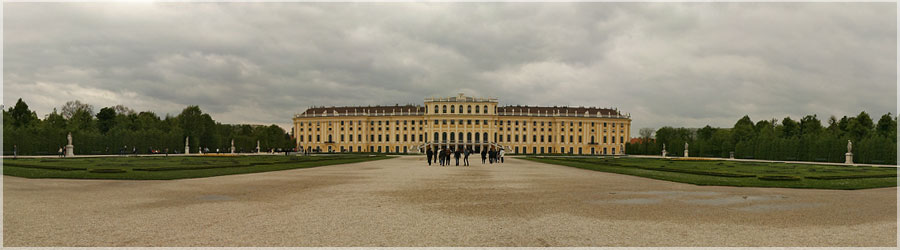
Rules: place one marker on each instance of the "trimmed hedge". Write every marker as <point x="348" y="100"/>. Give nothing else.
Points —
<point x="838" y="177"/>
<point x="778" y="178"/>
<point x="107" y="171"/>
<point x="11" y="164"/>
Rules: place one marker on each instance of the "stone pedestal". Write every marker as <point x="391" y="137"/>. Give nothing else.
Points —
<point x="70" y="150"/>
<point x="232" y="149"/>
<point x="731" y="155"/>
<point x="848" y="158"/>
<point x="664" y="153"/>
<point x="686" y="153"/>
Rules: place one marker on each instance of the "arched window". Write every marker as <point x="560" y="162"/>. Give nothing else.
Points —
<point x="460" y="136"/>
<point x="444" y="136"/>
<point x="329" y="138"/>
<point x="485" y="137"/>
<point x="469" y="109"/>
<point x="469" y="137"/>
<point x="477" y="134"/>
<point x="435" y="111"/>
<point x="477" y="109"/>
<point x="452" y="136"/>
<point x="485" y="109"/>
<point x="452" y="109"/>
<point x="460" y="109"/>
<point x="445" y="109"/>
<point x="592" y="141"/>
<point x="435" y="136"/>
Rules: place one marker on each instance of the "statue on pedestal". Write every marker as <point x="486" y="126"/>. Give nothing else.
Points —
<point x="232" y="146"/>
<point x="70" y="149"/>
<point x="849" y="145"/>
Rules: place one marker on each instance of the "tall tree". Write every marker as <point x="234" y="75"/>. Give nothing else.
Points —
<point x="106" y="119"/>
<point x="790" y="128"/>
<point x="21" y="115"/>
<point x="743" y="129"/>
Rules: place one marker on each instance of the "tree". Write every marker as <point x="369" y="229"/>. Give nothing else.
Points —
<point x="646" y="133"/>
<point x="887" y="126"/>
<point x="743" y="130"/>
<point x="72" y="107"/>
<point x="790" y="128"/>
<point x="810" y="125"/>
<point x="106" y="119"/>
<point x="21" y="115"/>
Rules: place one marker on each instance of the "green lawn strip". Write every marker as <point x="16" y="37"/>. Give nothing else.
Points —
<point x="712" y="173"/>
<point x="106" y="172"/>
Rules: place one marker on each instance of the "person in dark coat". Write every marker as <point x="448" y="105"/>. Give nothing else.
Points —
<point x="483" y="155"/>
<point x="440" y="156"/>
<point x="429" y="155"/>
<point x="466" y="157"/>
<point x="492" y="154"/>
<point x="447" y="154"/>
<point x="456" y="156"/>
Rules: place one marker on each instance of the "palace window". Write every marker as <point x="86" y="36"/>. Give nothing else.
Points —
<point x="445" y="109"/>
<point x="477" y="110"/>
<point x="452" y="109"/>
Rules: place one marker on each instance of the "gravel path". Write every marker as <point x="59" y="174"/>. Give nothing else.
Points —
<point x="401" y="202"/>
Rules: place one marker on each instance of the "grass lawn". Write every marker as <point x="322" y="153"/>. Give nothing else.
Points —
<point x="167" y="168"/>
<point x="739" y="174"/>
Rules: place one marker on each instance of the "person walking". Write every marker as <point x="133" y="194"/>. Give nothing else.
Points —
<point x="167" y="152"/>
<point x="15" y="151"/>
<point x="440" y="156"/>
<point x="483" y="155"/>
<point x="456" y="156"/>
<point x="466" y="157"/>
<point x="502" y="152"/>
<point x="429" y="154"/>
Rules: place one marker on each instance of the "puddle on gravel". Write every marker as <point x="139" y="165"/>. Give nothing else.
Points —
<point x="777" y="207"/>
<point x="732" y="200"/>
<point x="215" y="197"/>
<point x="634" y="201"/>
<point x="669" y="193"/>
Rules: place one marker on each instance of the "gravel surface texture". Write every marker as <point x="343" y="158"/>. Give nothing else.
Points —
<point x="403" y="202"/>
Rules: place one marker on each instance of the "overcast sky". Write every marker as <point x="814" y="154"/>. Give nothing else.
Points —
<point x="665" y="63"/>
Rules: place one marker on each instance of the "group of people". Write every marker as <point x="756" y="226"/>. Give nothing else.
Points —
<point x="443" y="156"/>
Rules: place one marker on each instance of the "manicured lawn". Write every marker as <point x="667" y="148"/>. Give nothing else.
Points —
<point x="740" y="174"/>
<point x="167" y="168"/>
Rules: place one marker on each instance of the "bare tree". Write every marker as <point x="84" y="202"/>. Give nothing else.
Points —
<point x="72" y="107"/>
<point x="646" y="133"/>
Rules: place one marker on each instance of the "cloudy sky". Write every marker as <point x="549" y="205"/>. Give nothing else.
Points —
<point x="665" y="63"/>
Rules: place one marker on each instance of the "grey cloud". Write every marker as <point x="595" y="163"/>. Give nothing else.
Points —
<point x="674" y="64"/>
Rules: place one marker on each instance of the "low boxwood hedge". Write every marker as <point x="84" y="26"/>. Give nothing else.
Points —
<point x="778" y="178"/>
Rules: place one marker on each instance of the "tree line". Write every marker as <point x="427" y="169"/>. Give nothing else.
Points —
<point x="119" y="128"/>
<point x="791" y="140"/>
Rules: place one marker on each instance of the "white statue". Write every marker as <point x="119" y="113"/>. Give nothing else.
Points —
<point x="232" y="143"/>
<point x="664" y="147"/>
<point x="70" y="138"/>
<point x="685" y="146"/>
<point x="849" y="146"/>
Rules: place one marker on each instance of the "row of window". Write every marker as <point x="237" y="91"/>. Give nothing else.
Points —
<point x="452" y="137"/>
<point x="467" y="122"/>
<point x="515" y="149"/>
<point x="453" y="109"/>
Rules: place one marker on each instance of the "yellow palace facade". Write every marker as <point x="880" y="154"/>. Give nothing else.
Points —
<point x="463" y="122"/>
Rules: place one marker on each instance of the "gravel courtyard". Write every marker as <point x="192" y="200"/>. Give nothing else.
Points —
<point x="402" y="202"/>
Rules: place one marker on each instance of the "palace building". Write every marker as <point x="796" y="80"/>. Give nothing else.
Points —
<point x="463" y="122"/>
